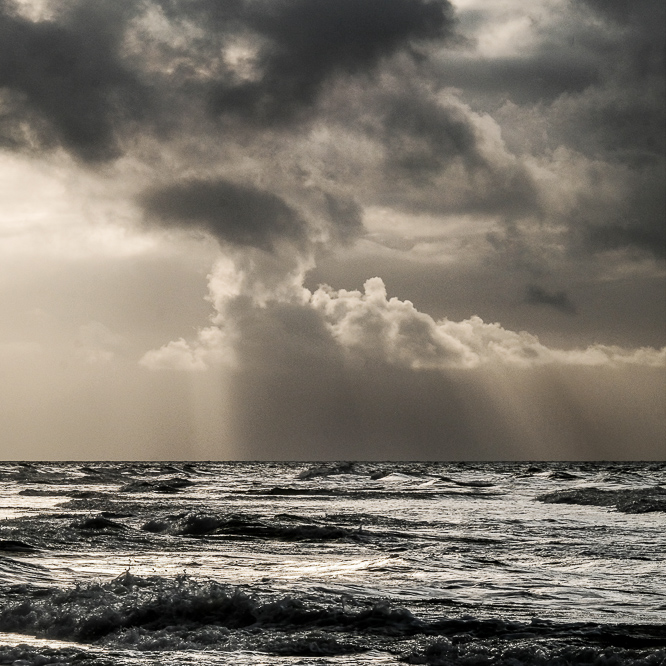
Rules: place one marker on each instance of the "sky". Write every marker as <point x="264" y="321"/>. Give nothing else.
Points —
<point x="332" y="229"/>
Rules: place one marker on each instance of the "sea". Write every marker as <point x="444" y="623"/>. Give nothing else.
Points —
<point x="340" y="563"/>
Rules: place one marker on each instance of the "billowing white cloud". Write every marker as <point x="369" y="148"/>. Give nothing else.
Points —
<point x="249" y="277"/>
<point x="369" y="326"/>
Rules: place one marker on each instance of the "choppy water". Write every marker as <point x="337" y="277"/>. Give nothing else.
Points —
<point x="363" y="563"/>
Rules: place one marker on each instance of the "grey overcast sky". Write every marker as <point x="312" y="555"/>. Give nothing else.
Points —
<point x="332" y="229"/>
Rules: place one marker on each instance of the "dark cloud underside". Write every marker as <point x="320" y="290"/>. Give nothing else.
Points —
<point x="67" y="78"/>
<point x="308" y="41"/>
<point x="95" y="77"/>
<point x="233" y="213"/>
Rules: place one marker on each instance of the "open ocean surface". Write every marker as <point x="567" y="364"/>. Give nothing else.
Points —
<point x="332" y="563"/>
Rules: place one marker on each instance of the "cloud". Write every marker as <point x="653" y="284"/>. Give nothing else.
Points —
<point x="303" y="43"/>
<point x="371" y="328"/>
<point x="180" y="355"/>
<point x="587" y="79"/>
<point x="358" y="375"/>
<point x="615" y="206"/>
<point x="423" y="135"/>
<point x="346" y="216"/>
<point x="66" y="79"/>
<point x="423" y="151"/>
<point x="525" y="79"/>
<point x="109" y="79"/>
<point x="393" y="331"/>
<point x="370" y="325"/>
<point x="233" y="213"/>
<point x="89" y="77"/>
<point x="555" y="299"/>
<point x="602" y="355"/>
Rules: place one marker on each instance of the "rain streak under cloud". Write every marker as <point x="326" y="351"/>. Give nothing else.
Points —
<point x="332" y="228"/>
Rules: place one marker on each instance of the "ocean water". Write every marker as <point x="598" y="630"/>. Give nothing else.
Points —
<point x="332" y="563"/>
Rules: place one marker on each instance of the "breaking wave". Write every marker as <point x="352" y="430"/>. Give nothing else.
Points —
<point x="445" y="653"/>
<point x="161" y="486"/>
<point x="631" y="500"/>
<point x="199" y="524"/>
<point x="156" y="614"/>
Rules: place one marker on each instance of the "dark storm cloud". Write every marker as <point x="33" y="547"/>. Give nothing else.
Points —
<point x="595" y="80"/>
<point x="73" y="78"/>
<point x="601" y="66"/>
<point x="423" y="137"/>
<point x="636" y="222"/>
<point x="594" y="43"/>
<point x="305" y="42"/>
<point x="96" y="74"/>
<point x="626" y="12"/>
<point x="625" y="114"/>
<point x="67" y="79"/>
<point x="555" y="299"/>
<point x="233" y="213"/>
<point x="619" y="125"/>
